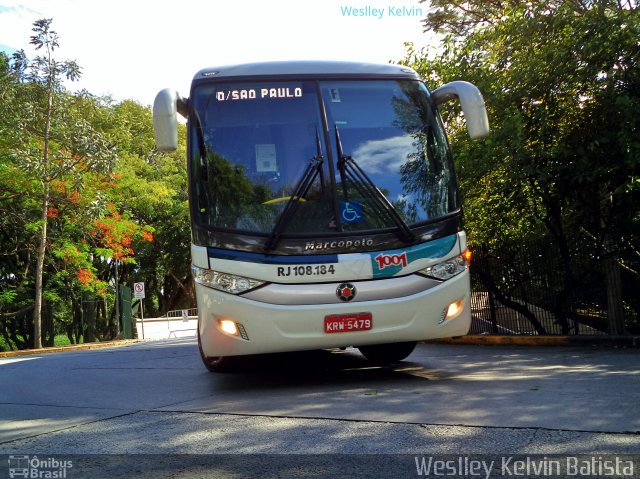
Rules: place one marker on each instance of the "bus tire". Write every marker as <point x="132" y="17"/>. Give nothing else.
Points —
<point x="217" y="364"/>
<point x="220" y="364"/>
<point x="387" y="353"/>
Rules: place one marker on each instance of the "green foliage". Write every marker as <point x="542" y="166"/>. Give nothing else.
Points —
<point x="110" y="196"/>
<point x="562" y="88"/>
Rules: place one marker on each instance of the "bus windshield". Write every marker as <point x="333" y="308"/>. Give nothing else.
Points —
<point x="309" y="157"/>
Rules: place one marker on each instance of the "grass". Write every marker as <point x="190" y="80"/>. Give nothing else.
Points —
<point x="59" y="340"/>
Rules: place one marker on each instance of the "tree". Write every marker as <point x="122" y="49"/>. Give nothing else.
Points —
<point x="100" y="208"/>
<point x="57" y="145"/>
<point x="562" y="86"/>
<point x="153" y="192"/>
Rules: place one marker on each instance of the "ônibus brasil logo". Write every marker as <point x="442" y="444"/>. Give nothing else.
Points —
<point x="34" y="467"/>
<point x="385" y="260"/>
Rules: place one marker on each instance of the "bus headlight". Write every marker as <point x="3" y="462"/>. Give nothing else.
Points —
<point x="229" y="283"/>
<point x="449" y="268"/>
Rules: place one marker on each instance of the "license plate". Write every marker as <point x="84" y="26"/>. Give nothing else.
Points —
<point x="345" y="323"/>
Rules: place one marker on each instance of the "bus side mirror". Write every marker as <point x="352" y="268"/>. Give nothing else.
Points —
<point x="165" y="121"/>
<point x="472" y="103"/>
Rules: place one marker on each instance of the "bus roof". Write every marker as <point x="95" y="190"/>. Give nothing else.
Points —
<point x="307" y="68"/>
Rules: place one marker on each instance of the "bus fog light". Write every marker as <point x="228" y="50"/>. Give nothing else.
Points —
<point x="228" y="326"/>
<point x="232" y="328"/>
<point x="453" y="310"/>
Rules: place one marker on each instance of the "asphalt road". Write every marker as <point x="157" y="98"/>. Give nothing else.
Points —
<point x="157" y="398"/>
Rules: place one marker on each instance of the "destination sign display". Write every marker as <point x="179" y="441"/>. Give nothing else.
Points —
<point x="277" y="92"/>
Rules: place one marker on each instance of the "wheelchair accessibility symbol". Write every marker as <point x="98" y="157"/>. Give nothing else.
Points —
<point x="351" y="212"/>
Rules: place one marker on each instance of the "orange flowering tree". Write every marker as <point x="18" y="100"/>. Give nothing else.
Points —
<point x="116" y="233"/>
<point x="87" y="237"/>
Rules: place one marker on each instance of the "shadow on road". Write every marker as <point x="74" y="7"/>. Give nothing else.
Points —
<point x="334" y="368"/>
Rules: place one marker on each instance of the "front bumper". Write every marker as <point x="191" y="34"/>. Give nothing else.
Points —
<point x="295" y="327"/>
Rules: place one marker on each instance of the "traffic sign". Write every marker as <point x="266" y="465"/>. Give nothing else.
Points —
<point x="138" y="290"/>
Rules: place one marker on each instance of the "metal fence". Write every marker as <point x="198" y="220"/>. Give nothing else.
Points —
<point x="179" y="313"/>
<point x="533" y="289"/>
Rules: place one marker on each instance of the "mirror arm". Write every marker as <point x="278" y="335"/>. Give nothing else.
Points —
<point x="182" y="105"/>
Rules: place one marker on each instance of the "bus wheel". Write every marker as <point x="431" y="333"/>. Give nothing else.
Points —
<point x="387" y="353"/>
<point x="217" y="364"/>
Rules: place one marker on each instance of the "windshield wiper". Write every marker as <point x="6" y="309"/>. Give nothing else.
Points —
<point x="313" y="170"/>
<point x="350" y="170"/>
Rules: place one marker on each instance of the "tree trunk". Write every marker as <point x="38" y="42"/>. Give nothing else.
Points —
<point x="42" y="248"/>
<point x="89" y="314"/>
<point x="184" y="294"/>
<point x="613" y="283"/>
<point x="553" y="222"/>
<point x="612" y="276"/>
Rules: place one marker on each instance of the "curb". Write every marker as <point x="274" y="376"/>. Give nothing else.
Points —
<point x="64" y="349"/>
<point x="491" y="340"/>
<point x="474" y="340"/>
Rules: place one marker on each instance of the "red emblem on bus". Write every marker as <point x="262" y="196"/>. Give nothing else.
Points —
<point x="346" y="291"/>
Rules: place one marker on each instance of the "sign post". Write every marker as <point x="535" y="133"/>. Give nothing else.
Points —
<point x="138" y="293"/>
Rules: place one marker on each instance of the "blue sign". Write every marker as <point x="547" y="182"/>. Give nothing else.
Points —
<point x="351" y="212"/>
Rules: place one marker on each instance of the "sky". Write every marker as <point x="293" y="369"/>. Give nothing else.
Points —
<point x="132" y="49"/>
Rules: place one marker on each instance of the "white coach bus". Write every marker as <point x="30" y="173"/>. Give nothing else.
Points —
<point x="324" y="208"/>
